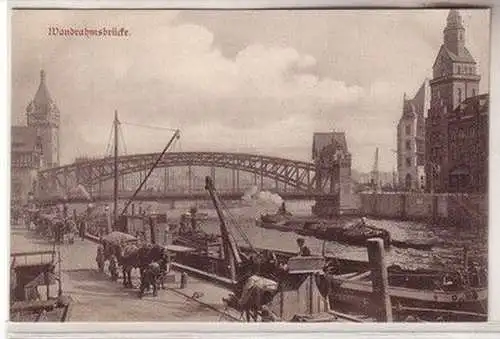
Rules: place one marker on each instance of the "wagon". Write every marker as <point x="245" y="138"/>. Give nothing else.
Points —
<point x="30" y="271"/>
<point x="114" y="241"/>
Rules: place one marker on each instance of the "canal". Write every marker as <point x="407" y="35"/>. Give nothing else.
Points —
<point x="448" y="254"/>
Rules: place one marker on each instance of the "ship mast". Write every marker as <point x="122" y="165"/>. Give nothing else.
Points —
<point x="115" y="176"/>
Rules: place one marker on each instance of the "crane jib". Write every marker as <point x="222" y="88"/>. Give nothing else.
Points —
<point x="230" y="248"/>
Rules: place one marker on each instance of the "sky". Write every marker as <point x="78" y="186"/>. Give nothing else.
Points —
<point x="260" y="82"/>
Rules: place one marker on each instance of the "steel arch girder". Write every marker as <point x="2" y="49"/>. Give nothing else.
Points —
<point x="298" y="174"/>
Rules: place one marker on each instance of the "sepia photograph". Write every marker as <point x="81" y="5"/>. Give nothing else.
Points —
<point x="293" y="165"/>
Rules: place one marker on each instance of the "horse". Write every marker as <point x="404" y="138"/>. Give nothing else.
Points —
<point x="128" y="258"/>
<point x="132" y="256"/>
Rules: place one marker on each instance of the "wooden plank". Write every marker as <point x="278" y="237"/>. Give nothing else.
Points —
<point x="24" y="254"/>
<point x="33" y="305"/>
<point x="380" y="281"/>
<point x="225" y="282"/>
<point x="178" y="248"/>
<point x="345" y="316"/>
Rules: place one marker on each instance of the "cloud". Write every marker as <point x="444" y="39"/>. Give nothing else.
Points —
<point x="173" y="75"/>
<point x="264" y="97"/>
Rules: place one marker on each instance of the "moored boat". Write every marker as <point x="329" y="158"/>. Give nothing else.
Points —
<point x="351" y="292"/>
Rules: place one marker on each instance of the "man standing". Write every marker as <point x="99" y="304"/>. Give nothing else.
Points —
<point x="304" y="251"/>
<point x="100" y="258"/>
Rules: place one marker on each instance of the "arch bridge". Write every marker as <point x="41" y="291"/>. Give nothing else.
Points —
<point x="298" y="176"/>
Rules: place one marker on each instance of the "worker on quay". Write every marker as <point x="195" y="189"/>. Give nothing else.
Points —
<point x="164" y="269"/>
<point x="72" y="231"/>
<point x="304" y="251"/>
<point x="113" y="268"/>
<point x="100" y="258"/>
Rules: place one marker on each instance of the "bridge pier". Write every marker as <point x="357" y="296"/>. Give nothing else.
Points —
<point x="190" y="180"/>
<point x="212" y="173"/>
<point x="165" y="179"/>
<point x="261" y="178"/>
<point x="237" y="180"/>
<point x="233" y="179"/>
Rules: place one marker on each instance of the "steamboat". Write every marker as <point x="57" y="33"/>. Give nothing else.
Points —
<point x="343" y="230"/>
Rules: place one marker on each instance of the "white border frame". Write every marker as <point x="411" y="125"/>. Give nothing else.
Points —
<point x="288" y="330"/>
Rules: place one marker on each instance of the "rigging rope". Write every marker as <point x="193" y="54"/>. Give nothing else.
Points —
<point x="150" y="127"/>
<point x="234" y="223"/>
<point x="108" y="145"/>
<point x="120" y="129"/>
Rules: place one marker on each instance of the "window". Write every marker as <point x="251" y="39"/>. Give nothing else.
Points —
<point x="473" y="92"/>
<point x="408" y="162"/>
<point x="408" y="145"/>
<point x="408" y="130"/>
<point x="459" y="90"/>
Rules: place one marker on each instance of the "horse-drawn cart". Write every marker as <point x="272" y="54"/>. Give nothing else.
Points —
<point x="32" y="277"/>
<point x="114" y="243"/>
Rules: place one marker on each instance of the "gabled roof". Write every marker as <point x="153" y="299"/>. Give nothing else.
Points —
<point x="23" y="139"/>
<point x="324" y="139"/>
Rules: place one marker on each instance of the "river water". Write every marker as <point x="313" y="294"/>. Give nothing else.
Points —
<point x="449" y="255"/>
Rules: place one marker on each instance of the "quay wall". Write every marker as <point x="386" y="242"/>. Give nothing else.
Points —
<point x="464" y="209"/>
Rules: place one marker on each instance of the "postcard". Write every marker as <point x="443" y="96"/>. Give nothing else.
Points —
<point x="298" y="165"/>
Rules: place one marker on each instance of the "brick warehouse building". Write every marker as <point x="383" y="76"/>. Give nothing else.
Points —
<point x="457" y="122"/>
<point x="468" y="146"/>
